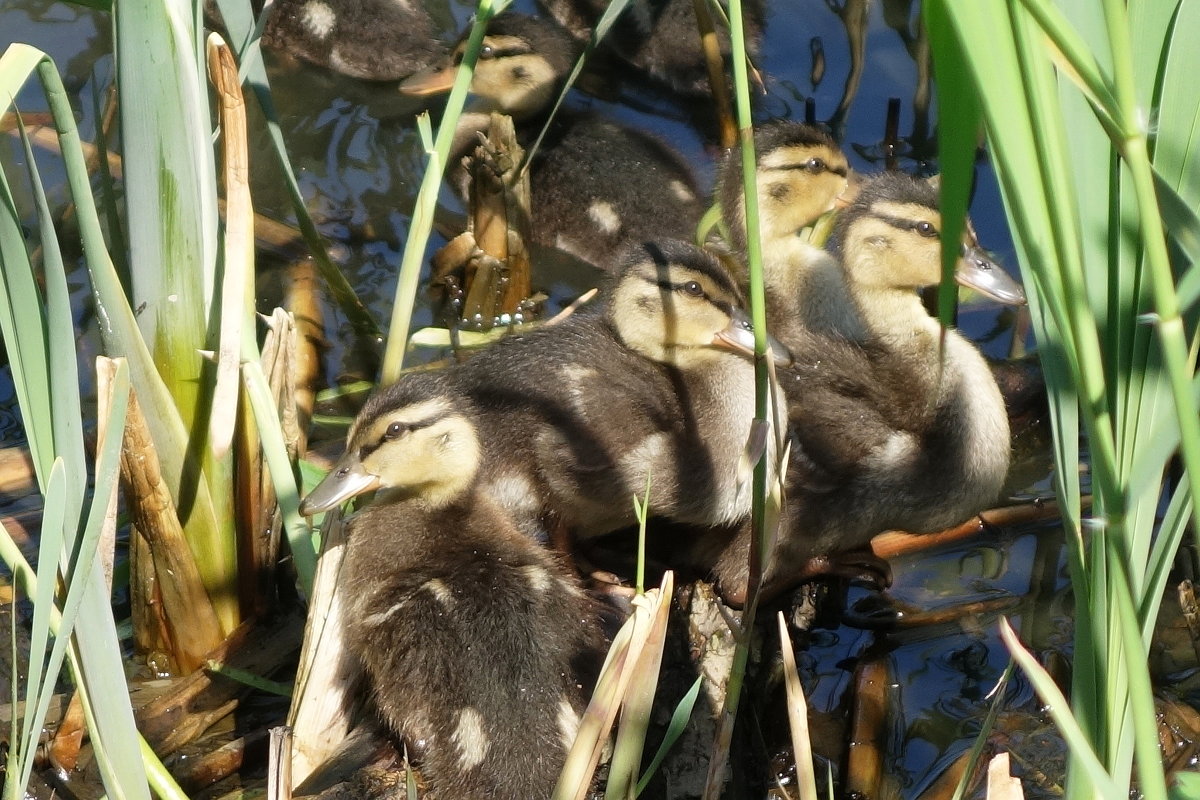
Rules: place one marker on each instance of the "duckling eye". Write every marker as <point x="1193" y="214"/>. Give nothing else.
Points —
<point x="815" y="165"/>
<point x="693" y="288"/>
<point x="487" y="51"/>
<point x="926" y="229"/>
<point x="395" y="430"/>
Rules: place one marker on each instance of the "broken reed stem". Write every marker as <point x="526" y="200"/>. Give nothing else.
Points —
<point x="176" y="604"/>
<point x="499" y="222"/>
<point x="320" y="714"/>
<point x="711" y="46"/>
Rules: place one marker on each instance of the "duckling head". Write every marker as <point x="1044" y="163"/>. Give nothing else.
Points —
<point x="890" y="239"/>
<point x="801" y="173"/>
<point x="407" y="441"/>
<point x="675" y="304"/>
<point x="522" y="63"/>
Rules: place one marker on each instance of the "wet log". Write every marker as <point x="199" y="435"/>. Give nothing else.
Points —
<point x="259" y="646"/>
<point x="492" y="255"/>
<point x="17" y="476"/>
<point x="207" y="769"/>
<point x="868" y="730"/>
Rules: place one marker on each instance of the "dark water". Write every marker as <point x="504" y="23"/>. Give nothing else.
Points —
<point x="358" y="160"/>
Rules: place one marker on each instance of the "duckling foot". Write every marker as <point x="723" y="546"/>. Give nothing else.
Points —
<point x="855" y="565"/>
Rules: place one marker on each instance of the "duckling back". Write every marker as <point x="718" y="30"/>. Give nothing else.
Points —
<point x="478" y="644"/>
<point x="597" y="187"/>
<point x="377" y="40"/>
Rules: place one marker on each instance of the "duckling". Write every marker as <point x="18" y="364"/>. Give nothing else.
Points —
<point x="656" y="383"/>
<point x="902" y="428"/>
<point x="477" y="643"/>
<point x="595" y="185"/>
<point x="800" y="175"/>
<point x="658" y="38"/>
<point x="374" y="40"/>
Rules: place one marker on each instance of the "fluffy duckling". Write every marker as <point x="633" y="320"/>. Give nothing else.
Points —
<point x="375" y="40"/>
<point x="595" y="185"/>
<point x="801" y="174"/>
<point x="476" y="642"/>
<point x="656" y="382"/>
<point x="658" y="38"/>
<point x="902" y="428"/>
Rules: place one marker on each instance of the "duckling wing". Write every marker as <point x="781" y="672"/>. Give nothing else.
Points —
<point x="374" y="40"/>
<point x="597" y="185"/>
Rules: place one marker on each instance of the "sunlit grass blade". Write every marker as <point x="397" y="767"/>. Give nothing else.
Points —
<point x="675" y="728"/>
<point x="618" y="670"/>
<point x="84" y="571"/>
<point x="49" y="548"/>
<point x="959" y="121"/>
<point x="87" y="591"/>
<point x="806" y="779"/>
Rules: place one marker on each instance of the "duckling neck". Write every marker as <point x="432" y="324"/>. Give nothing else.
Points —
<point x="896" y="317"/>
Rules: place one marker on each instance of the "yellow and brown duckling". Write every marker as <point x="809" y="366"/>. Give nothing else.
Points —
<point x="658" y="383"/>
<point x="901" y="428"/>
<point x="658" y="38"/>
<point x="478" y="645"/>
<point x="801" y="174"/>
<point x="595" y="185"/>
<point x="375" y="40"/>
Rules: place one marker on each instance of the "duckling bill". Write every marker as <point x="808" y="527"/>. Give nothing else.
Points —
<point x="478" y="644"/>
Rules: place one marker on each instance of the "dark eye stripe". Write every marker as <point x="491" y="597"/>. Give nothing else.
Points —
<point x="802" y="166"/>
<point x="904" y="224"/>
<point x="409" y="427"/>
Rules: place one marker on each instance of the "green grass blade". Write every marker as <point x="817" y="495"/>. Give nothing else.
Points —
<point x="119" y="329"/>
<point x="299" y="535"/>
<point x="1177" y="156"/>
<point x="170" y="190"/>
<point x="959" y="120"/>
<point x="38" y="674"/>
<point x="675" y="728"/>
